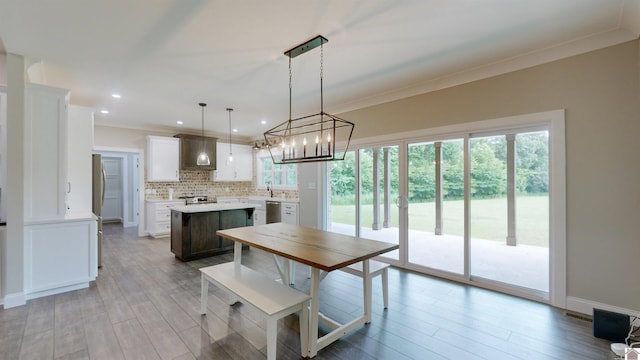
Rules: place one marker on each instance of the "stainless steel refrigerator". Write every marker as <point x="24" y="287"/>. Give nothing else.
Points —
<point x="98" y="177"/>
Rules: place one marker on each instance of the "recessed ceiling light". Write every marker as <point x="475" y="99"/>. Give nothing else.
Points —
<point x="263" y="122"/>
<point x="179" y="122"/>
<point x="104" y="111"/>
<point x="235" y="130"/>
<point x="115" y="96"/>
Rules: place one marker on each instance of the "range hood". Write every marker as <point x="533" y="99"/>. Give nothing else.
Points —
<point x="191" y="146"/>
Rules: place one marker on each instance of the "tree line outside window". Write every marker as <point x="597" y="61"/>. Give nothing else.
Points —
<point x="488" y="175"/>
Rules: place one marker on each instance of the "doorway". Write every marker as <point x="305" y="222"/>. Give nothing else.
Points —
<point x="112" y="207"/>
<point x="122" y="191"/>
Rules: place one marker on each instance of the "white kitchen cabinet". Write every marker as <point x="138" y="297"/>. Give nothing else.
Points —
<point x="159" y="216"/>
<point x="259" y="217"/>
<point x="60" y="247"/>
<point x="45" y="140"/>
<point x="163" y="158"/>
<point x="60" y="256"/>
<point x="289" y="213"/>
<point x="240" y="169"/>
<point x="79" y="147"/>
<point x="3" y="155"/>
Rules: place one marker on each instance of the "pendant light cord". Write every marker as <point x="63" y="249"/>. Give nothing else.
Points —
<point x="202" y="105"/>
<point x="230" y="110"/>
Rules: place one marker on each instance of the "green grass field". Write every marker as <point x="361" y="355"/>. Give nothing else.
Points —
<point x="488" y="218"/>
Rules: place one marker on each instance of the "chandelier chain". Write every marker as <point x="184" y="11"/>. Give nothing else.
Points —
<point x="290" y="87"/>
<point x="321" y="78"/>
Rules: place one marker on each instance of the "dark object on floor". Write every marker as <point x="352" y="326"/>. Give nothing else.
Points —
<point x="609" y="325"/>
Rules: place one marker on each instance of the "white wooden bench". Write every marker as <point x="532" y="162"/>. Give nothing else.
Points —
<point x="250" y="287"/>
<point x="375" y="268"/>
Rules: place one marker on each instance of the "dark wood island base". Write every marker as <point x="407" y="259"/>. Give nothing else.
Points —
<point x="193" y="228"/>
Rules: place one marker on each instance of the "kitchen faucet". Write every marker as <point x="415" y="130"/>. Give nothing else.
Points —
<point x="269" y="190"/>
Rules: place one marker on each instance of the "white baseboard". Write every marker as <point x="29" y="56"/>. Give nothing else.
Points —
<point x="59" y="290"/>
<point x="586" y="307"/>
<point x="13" y="300"/>
<point x="129" y="224"/>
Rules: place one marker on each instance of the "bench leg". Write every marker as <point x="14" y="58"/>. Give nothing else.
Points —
<point x="272" y="337"/>
<point x="204" y="291"/>
<point x="385" y="288"/>
<point x="304" y="329"/>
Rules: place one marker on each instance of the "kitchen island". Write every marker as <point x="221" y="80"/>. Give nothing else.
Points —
<point x="193" y="228"/>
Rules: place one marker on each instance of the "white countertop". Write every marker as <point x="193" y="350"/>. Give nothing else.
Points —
<point x="212" y="207"/>
<point x="166" y="200"/>
<point x="263" y="198"/>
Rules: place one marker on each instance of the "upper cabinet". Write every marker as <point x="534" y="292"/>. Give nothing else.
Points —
<point x="79" y="149"/>
<point x="163" y="158"/>
<point x="3" y="154"/>
<point x="240" y="169"/>
<point x="191" y="146"/>
<point x="45" y="139"/>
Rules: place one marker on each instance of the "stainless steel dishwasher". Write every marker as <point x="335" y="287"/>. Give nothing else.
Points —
<point x="273" y="212"/>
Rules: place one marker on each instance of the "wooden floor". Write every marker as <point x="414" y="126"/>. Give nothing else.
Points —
<point x="145" y="305"/>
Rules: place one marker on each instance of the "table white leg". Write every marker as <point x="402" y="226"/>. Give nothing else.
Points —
<point x="314" y="292"/>
<point x="237" y="260"/>
<point x="204" y="292"/>
<point x="304" y="329"/>
<point x="292" y="272"/>
<point x="237" y="252"/>
<point x="366" y="285"/>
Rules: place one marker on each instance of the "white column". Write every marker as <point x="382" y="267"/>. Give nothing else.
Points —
<point x="387" y="188"/>
<point x="438" y="153"/>
<point x="13" y="252"/>
<point x="511" y="190"/>
<point x="376" y="190"/>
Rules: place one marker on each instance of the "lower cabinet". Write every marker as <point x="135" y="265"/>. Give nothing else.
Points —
<point x="60" y="256"/>
<point x="193" y="235"/>
<point x="159" y="217"/>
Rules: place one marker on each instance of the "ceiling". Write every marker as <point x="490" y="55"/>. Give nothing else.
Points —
<point x="165" y="56"/>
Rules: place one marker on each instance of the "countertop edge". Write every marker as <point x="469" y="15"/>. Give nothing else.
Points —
<point x="212" y="207"/>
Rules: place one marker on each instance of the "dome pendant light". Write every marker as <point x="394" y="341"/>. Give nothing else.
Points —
<point x="203" y="158"/>
<point x="230" y="152"/>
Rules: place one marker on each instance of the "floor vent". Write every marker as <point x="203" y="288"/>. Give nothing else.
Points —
<point x="579" y="316"/>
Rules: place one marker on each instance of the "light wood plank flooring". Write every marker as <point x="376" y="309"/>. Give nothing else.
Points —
<point x="145" y="305"/>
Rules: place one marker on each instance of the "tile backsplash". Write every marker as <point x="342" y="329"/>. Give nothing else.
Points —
<point x="197" y="182"/>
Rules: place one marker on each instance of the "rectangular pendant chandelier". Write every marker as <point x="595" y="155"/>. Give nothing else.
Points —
<point x="311" y="138"/>
<point x="317" y="137"/>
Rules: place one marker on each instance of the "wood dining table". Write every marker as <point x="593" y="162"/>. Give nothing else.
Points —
<point x="324" y="252"/>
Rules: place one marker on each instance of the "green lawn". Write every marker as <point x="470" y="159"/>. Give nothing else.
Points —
<point x="488" y="218"/>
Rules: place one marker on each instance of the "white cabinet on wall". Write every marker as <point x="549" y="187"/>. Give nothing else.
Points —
<point x="289" y="213"/>
<point x="240" y="169"/>
<point x="46" y="184"/>
<point x="60" y="244"/>
<point x="159" y="216"/>
<point x="163" y="158"/>
<point x="3" y="154"/>
<point x="80" y="147"/>
<point x="60" y="256"/>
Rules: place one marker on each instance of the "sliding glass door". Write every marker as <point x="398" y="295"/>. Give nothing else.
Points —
<point x="342" y="202"/>
<point x="436" y="205"/>
<point x="470" y="206"/>
<point x="509" y="209"/>
<point x="363" y="194"/>
<point x="378" y="194"/>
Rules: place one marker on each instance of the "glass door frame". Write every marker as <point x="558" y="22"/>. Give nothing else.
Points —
<point x="554" y="121"/>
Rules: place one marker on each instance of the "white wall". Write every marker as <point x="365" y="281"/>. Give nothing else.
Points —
<point x="309" y="192"/>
